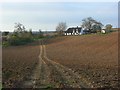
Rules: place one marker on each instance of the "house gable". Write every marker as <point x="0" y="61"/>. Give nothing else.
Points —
<point x="73" y="31"/>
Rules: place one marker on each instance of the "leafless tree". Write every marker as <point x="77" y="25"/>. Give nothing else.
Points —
<point x="61" y="27"/>
<point x="89" y="22"/>
<point x="19" y="27"/>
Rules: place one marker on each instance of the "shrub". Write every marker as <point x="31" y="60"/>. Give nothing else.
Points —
<point x="20" y="39"/>
<point x="5" y="44"/>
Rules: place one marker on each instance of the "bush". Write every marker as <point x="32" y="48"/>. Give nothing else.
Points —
<point x="5" y="44"/>
<point x="20" y="39"/>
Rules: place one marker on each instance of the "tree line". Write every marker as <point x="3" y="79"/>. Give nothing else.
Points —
<point x="88" y="23"/>
<point x="21" y="36"/>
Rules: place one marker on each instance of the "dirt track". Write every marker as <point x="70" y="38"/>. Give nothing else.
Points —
<point x="49" y="73"/>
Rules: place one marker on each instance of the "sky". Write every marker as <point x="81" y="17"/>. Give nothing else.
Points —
<point x="46" y="15"/>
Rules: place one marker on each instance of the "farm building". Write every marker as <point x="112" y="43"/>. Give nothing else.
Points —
<point x="73" y="31"/>
<point x="80" y="31"/>
<point x="76" y="31"/>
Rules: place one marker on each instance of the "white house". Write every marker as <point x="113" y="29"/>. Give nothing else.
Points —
<point x="73" y="31"/>
<point x="79" y="31"/>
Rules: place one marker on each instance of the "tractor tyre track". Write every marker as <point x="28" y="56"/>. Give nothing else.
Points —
<point x="50" y="73"/>
<point x="70" y="78"/>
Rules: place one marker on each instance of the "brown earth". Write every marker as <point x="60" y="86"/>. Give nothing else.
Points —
<point x="63" y="62"/>
<point x="28" y="67"/>
<point x="18" y="62"/>
<point x="50" y="74"/>
<point x="92" y="56"/>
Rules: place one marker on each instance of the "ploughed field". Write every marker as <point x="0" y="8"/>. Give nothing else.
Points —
<point x="94" y="57"/>
<point x="29" y="67"/>
<point x="87" y="61"/>
<point x="18" y="62"/>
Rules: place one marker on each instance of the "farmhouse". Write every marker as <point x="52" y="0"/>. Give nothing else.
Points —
<point x="73" y="31"/>
<point x="80" y="31"/>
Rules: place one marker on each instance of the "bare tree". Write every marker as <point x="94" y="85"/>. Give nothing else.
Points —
<point x="19" y="27"/>
<point x="61" y="27"/>
<point x="89" y="22"/>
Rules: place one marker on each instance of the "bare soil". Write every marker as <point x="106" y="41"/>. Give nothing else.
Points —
<point x="88" y="61"/>
<point x="94" y="57"/>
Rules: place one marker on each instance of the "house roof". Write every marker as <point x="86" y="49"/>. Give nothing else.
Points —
<point x="70" y="30"/>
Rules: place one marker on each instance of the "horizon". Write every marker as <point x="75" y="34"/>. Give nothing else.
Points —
<point x="47" y="15"/>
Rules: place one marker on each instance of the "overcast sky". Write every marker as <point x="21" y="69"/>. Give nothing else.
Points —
<point x="46" y="15"/>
